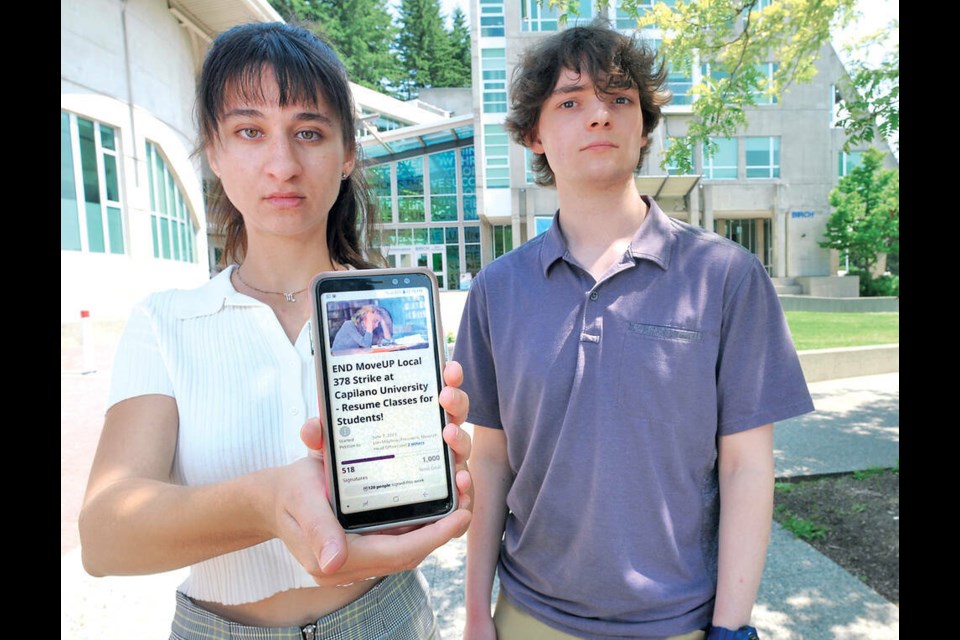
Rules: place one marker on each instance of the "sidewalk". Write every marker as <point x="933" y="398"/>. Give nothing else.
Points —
<point x="803" y="596"/>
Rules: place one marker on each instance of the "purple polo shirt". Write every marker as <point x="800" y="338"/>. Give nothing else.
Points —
<point x="612" y="395"/>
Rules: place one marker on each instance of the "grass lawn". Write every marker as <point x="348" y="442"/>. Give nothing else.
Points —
<point x="816" y="330"/>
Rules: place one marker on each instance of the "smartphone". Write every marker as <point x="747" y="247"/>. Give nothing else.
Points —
<point x="377" y="344"/>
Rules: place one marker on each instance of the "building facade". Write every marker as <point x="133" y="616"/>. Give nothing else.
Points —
<point x="132" y="214"/>
<point x="767" y="188"/>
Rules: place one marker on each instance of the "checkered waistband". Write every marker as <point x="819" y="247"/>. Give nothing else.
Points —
<point x="397" y="608"/>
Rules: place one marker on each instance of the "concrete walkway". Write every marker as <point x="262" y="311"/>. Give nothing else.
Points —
<point x="804" y="595"/>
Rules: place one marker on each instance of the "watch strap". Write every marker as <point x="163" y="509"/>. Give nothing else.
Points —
<point x="745" y="632"/>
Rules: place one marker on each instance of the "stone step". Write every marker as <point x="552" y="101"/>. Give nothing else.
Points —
<point x="788" y="289"/>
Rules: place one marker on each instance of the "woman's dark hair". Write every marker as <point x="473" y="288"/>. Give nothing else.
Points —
<point x="611" y="59"/>
<point x="304" y="66"/>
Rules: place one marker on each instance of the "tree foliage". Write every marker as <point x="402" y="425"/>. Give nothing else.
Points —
<point x="361" y="31"/>
<point x="865" y="223"/>
<point x="871" y="95"/>
<point x="430" y="55"/>
<point x="393" y="57"/>
<point x="460" y="43"/>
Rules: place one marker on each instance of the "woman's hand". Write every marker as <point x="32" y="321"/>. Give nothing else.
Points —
<point x="456" y="403"/>
<point x="307" y="525"/>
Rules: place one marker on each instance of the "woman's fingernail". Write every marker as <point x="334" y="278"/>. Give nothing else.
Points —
<point x="328" y="555"/>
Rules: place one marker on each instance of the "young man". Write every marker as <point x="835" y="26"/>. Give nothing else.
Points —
<point x="624" y="372"/>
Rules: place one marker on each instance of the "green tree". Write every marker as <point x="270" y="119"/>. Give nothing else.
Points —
<point x="865" y="223"/>
<point x="872" y="93"/>
<point x="459" y="68"/>
<point x="424" y="47"/>
<point x="736" y="37"/>
<point x="361" y="31"/>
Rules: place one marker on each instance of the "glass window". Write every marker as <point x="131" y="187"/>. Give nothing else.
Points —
<point x="491" y="18"/>
<point x="713" y="72"/>
<point x="468" y="182"/>
<point x="680" y="83"/>
<point x="493" y="68"/>
<point x="91" y="215"/>
<point x="452" y="240"/>
<point x="410" y="206"/>
<point x="538" y="17"/>
<point x="380" y="186"/>
<point x="766" y="71"/>
<point x="763" y="157"/>
<point x="453" y="264"/>
<point x="69" y="211"/>
<point x="751" y="233"/>
<point x="174" y="229"/>
<point x="722" y="163"/>
<point x="496" y="145"/>
<point x="502" y="236"/>
<point x="849" y="161"/>
<point x="471" y="249"/>
<point x="451" y="235"/>
<point x="443" y="186"/>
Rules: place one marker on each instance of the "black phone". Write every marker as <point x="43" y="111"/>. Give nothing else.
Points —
<point x="377" y="345"/>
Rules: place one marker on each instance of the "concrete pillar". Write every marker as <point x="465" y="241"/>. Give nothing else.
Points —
<point x="707" y="193"/>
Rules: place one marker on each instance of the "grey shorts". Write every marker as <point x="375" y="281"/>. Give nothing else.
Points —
<point x="396" y="609"/>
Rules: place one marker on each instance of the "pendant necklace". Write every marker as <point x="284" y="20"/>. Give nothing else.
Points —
<point x="291" y="296"/>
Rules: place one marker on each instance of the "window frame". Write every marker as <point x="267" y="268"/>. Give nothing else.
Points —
<point x="111" y="221"/>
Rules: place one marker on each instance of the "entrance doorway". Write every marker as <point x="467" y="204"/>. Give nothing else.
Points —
<point x="753" y="233"/>
<point x="433" y="257"/>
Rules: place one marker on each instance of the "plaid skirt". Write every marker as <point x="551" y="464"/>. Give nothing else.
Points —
<point x="398" y="608"/>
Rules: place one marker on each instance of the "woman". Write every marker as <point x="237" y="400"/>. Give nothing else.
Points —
<point x="370" y="325"/>
<point x="202" y="461"/>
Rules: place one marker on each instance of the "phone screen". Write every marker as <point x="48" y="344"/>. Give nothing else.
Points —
<point x="380" y="366"/>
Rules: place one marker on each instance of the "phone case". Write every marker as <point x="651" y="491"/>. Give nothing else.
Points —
<point x="319" y="335"/>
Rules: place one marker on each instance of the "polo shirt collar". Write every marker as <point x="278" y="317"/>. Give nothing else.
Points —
<point x="212" y="297"/>
<point x="554" y="246"/>
<point x="652" y="241"/>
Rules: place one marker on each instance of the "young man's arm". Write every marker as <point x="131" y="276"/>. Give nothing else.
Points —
<point x="492" y="478"/>
<point x="746" y="514"/>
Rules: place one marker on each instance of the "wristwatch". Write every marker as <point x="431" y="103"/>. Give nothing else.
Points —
<point x="743" y="633"/>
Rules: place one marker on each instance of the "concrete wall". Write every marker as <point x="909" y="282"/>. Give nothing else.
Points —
<point x="458" y="101"/>
<point x="849" y="362"/>
<point x="840" y="305"/>
<point x="830" y="286"/>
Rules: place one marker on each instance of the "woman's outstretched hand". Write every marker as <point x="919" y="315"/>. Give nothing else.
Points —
<point x="306" y="523"/>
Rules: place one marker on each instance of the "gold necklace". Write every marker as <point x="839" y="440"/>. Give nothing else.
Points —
<point x="291" y="296"/>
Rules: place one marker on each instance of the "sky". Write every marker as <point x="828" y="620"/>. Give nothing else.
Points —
<point x="874" y="15"/>
<point x="447" y="7"/>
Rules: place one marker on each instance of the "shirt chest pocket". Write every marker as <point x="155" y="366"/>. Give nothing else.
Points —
<point x="667" y="372"/>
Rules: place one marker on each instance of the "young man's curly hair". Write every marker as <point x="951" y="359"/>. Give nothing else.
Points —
<point x="611" y="59"/>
